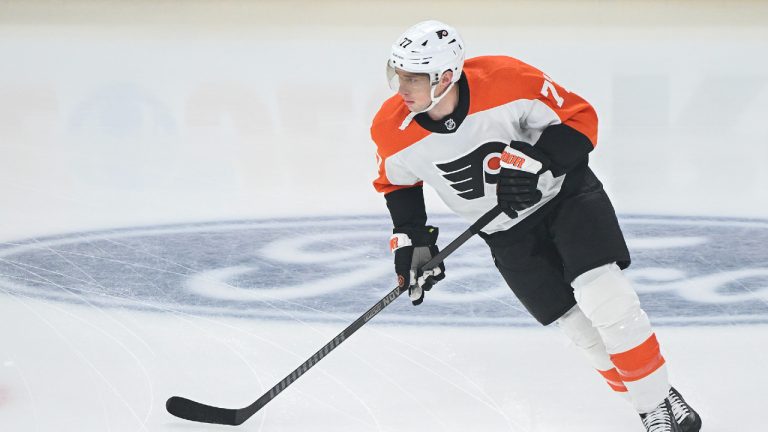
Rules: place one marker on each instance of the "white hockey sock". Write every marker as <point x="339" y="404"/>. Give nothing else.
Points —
<point x="579" y="329"/>
<point x="608" y="300"/>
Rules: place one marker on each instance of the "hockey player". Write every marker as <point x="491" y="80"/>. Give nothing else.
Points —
<point x="496" y="131"/>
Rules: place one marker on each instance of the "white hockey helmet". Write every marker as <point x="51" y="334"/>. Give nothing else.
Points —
<point x="429" y="47"/>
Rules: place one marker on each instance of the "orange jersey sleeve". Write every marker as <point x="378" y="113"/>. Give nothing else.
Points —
<point x="389" y="140"/>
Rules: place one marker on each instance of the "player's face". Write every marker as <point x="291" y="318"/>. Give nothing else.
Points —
<point x="414" y="89"/>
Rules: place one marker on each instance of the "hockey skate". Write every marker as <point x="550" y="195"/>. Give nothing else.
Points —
<point x="660" y="419"/>
<point x="685" y="416"/>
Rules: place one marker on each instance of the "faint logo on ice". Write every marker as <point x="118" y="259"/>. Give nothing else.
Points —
<point x="688" y="271"/>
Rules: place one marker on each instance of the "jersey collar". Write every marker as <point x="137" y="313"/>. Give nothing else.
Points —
<point x="451" y="122"/>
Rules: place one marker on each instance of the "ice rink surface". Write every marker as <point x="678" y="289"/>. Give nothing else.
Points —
<point x="187" y="210"/>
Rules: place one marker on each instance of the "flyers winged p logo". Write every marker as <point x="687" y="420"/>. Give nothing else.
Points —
<point x="469" y="173"/>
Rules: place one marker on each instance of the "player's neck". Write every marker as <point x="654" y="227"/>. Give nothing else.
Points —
<point x="446" y="105"/>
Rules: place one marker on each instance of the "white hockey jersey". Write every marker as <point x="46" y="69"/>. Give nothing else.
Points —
<point x="500" y="99"/>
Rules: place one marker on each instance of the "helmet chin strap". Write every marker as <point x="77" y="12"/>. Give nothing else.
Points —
<point x="435" y="101"/>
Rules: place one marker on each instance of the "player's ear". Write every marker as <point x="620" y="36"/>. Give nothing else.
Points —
<point x="446" y="77"/>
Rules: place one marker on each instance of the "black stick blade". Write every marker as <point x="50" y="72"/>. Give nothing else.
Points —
<point x="195" y="411"/>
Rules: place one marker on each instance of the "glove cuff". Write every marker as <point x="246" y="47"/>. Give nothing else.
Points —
<point x="516" y="160"/>
<point x="420" y="236"/>
<point x="522" y="156"/>
<point x="399" y="240"/>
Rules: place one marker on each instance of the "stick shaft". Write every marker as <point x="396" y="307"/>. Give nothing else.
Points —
<point x="196" y="411"/>
<point x="372" y="312"/>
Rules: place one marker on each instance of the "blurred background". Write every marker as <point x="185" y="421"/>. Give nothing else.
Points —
<point x="117" y="113"/>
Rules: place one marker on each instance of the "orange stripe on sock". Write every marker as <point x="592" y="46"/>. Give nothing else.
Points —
<point x="640" y="361"/>
<point x="614" y="380"/>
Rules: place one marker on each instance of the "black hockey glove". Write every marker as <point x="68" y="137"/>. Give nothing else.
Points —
<point x="517" y="187"/>
<point x="413" y="247"/>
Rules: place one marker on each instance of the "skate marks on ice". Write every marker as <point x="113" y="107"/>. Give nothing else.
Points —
<point x="688" y="271"/>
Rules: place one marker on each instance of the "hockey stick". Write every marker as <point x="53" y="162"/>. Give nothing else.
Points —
<point x="196" y="411"/>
